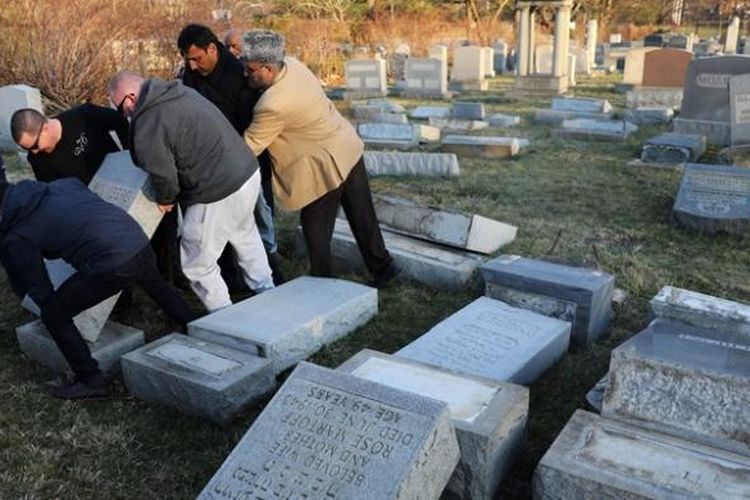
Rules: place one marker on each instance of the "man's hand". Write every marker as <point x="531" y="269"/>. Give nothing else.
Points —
<point x="166" y="208"/>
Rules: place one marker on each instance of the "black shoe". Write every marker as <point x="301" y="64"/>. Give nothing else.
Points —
<point x="95" y="389"/>
<point x="274" y="262"/>
<point x="385" y="277"/>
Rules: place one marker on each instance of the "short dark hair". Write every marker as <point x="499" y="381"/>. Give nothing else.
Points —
<point x="25" y="121"/>
<point x="198" y="35"/>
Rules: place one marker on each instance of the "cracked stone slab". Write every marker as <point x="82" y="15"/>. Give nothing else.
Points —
<point x="705" y="311"/>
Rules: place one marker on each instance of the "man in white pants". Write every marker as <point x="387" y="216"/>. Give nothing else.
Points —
<point x="196" y="158"/>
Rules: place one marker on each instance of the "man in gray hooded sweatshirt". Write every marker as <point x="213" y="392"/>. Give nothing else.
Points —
<point x="196" y="158"/>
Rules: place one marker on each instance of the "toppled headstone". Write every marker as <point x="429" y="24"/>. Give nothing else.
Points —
<point x="366" y="113"/>
<point x="386" y="105"/>
<point x="327" y="434"/>
<point x="481" y="146"/>
<point x="686" y="381"/>
<point x="468" y="110"/>
<point x="595" y="457"/>
<point x="702" y="310"/>
<point x="13" y="98"/>
<point x="365" y="78"/>
<point x="491" y="339"/>
<point x="595" y="130"/>
<point x="397" y="134"/>
<point x="196" y="377"/>
<point x="648" y="97"/>
<point x="390" y="118"/>
<point x="464" y="231"/>
<point x="502" y="120"/>
<point x="580" y="105"/>
<point x="556" y="117"/>
<point x="114" y="340"/>
<point x="426" y="112"/>
<point x="290" y="322"/>
<point x="648" y="115"/>
<point x="714" y="198"/>
<point x="426" y="78"/>
<point x="673" y="148"/>
<point x="489" y="416"/>
<point x="457" y="125"/>
<point x="413" y="164"/>
<point x="582" y="297"/>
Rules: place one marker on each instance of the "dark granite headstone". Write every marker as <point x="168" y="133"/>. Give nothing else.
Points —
<point x="468" y="110"/>
<point x="673" y="148"/>
<point x="655" y="40"/>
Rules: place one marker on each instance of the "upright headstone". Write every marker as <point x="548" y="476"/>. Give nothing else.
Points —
<point x="400" y="56"/>
<point x="582" y="62"/>
<point x="543" y="58"/>
<point x="468" y="68"/>
<point x="13" y="98"/>
<point x="439" y="52"/>
<point x="489" y="416"/>
<point x="634" y="64"/>
<point x="615" y="38"/>
<point x="489" y="62"/>
<point x="714" y="198"/>
<point x="582" y="297"/>
<point x="739" y="107"/>
<point x="654" y="40"/>
<point x="426" y="78"/>
<point x="666" y="67"/>
<point x="733" y="36"/>
<point x="327" y="434"/>
<point x="365" y="78"/>
<point x="500" y="57"/>
<point x="571" y="69"/>
<point x="684" y="42"/>
<point x="592" y="28"/>
<point x="491" y="339"/>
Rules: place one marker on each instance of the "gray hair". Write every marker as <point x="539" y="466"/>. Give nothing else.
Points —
<point x="263" y="46"/>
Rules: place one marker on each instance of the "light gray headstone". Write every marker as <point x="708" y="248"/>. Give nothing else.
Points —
<point x="406" y="132"/>
<point x="503" y="120"/>
<point x="438" y="52"/>
<point x="586" y="129"/>
<point x="714" y="198"/>
<point x="583" y="297"/>
<point x="670" y="98"/>
<point x="115" y="340"/>
<point x="196" y="377"/>
<point x="465" y="231"/>
<point x="649" y="115"/>
<point x="489" y="61"/>
<point x="366" y="113"/>
<point x="595" y="457"/>
<point x="389" y="118"/>
<point x="557" y="117"/>
<point x="468" y="64"/>
<point x="581" y="105"/>
<point x="386" y="105"/>
<point x="290" y="322"/>
<point x="491" y="339"/>
<point x="702" y="310"/>
<point x="481" y="146"/>
<point x="365" y="78"/>
<point x="456" y="125"/>
<point x="413" y="164"/>
<point x="468" y="110"/>
<point x="426" y="77"/>
<point x="327" y="434"/>
<point x="543" y="59"/>
<point x="13" y="98"/>
<point x="425" y="112"/>
<point x="500" y="57"/>
<point x="670" y="147"/>
<point x="739" y="105"/>
<point x="733" y="36"/>
<point x="489" y="416"/>
<point x="684" y="380"/>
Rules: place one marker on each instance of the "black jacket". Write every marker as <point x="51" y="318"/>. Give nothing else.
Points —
<point x="62" y="219"/>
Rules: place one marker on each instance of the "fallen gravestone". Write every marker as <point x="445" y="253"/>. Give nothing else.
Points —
<point x="365" y="78"/>
<point x="489" y="416"/>
<point x="582" y="297"/>
<point x="739" y="106"/>
<point x="564" y="108"/>
<point x="649" y="115"/>
<point x="595" y="130"/>
<point x="468" y="110"/>
<point x="327" y="434"/>
<point x="714" y="198"/>
<point x="684" y="380"/>
<point x="412" y="164"/>
<point x="386" y="105"/>
<point x="426" y="112"/>
<point x="291" y="322"/>
<point x="454" y="125"/>
<point x="13" y="98"/>
<point x="114" y="340"/>
<point x="375" y="114"/>
<point x="481" y="146"/>
<point x="400" y="135"/>
<point x="464" y="231"/>
<point x="638" y="98"/>
<point x="701" y="310"/>
<point x="502" y="120"/>
<point x="196" y="377"/>
<point x="673" y="148"/>
<point x="491" y="339"/>
<point x="594" y="457"/>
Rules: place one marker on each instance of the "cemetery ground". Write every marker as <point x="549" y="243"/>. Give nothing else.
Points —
<point x="574" y="202"/>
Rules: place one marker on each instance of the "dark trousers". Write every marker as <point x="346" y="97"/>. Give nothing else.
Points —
<point x="264" y="160"/>
<point x="164" y="243"/>
<point x="318" y="219"/>
<point x="81" y="291"/>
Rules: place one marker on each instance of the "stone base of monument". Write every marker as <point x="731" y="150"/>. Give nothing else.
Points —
<point x="197" y="377"/>
<point x="686" y="381"/>
<point x="328" y="434"/>
<point x="433" y="265"/>
<point x="582" y="297"/>
<point x="415" y="164"/>
<point x="540" y="85"/>
<point x="426" y="94"/>
<point x="670" y="147"/>
<point x="115" y="340"/>
<point x="458" y="125"/>
<point x="468" y="86"/>
<point x="489" y="416"/>
<point x="717" y="133"/>
<point x="593" y="130"/>
<point x="595" y="458"/>
<point x="702" y="310"/>
<point x="488" y="338"/>
<point x="649" y="115"/>
<point x="648" y="97"/>
<point x="481" y="146"/>
<point x="290" y="322"/>
<point x="556" y="117"/>
<point x="351" y="95"/>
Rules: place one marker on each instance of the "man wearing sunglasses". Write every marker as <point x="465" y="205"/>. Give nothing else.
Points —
<point x="71" y="144"/>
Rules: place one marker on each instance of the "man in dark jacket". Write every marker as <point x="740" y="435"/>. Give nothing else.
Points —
<point x="195" y="157"/>
<point x="63" y="219"/>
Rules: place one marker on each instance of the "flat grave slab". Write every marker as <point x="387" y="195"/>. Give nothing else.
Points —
<point x="714" y="198"/>
<point x="115" y="340"/>
<point x="465" y="231"/>
<point x="463" y="110"/>
<point x="595" y="130"/>
<point x="670" y="147"/>
<point x="594" y="457"/>
<point x="292" y="321"/>
<point x="489" y="416"/>
<point x="327" y="434"/>
<point x="702" y="310"/>
<point x="411" y="164"/>
<point x="491" y="339"/>
<point x="427" y="112"/>
<point x="684" y="380"/>
<point x="581" y="105"/>
<point x="582" y="297"/>
<point x="503" y="120"/>
<point x="557" y="117"/>
<point x="649" y="115"/>
<point x="197" y="377"/>
<point x="481" y="146"/>
<point x="457" y="125"/>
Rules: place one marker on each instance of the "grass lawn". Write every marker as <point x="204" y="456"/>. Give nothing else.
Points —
<point x="572" y="201"/>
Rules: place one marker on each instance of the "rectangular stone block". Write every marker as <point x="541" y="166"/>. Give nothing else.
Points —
<point x="327" y="434"/>
<point x="386" y="105"/>
<point x="666" y="68"/>
<point x="684" y="380"/>
<point x="115" y="340"/>
<point x="426" y="112"/>
<point x="390" y="118"/>
<point x="714" y="198"/>
<point x="426" y="77"/>
<point x="456" y="125"/>
<point x="670" y="147"/>
<point x="13" y="98"/>
<point x="582" y="297"/>
<point x="433" y="265"/>
<point x="595" y="458"/>
<point x="464" y="231"/>
<point x="468" y="64"/>
<point x="196" y="377"/>
<point x="481" y="146"/>
<point x="502" y="120"/>
<point x="412" y="164"/>
<point x="408" y="133"/>
<point x="595" y="130"/>
<point x="489" y="416"/>
<point x="649" y="115"/>
<point x="670" y="98"/>
<point x="716" y="133"/>
<point x="290" y="322"/>
<point x="462" y="110"/>
<point x="556" y="117"/>
<point x="581" y="105"/>
<point x="739" y="107"/>
<point x="366" y="76"/>
<point x="704" y="311"/>
<point x="491" y="339"/>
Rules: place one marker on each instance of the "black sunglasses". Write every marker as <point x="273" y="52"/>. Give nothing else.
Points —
<point x="122" y="103"/>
